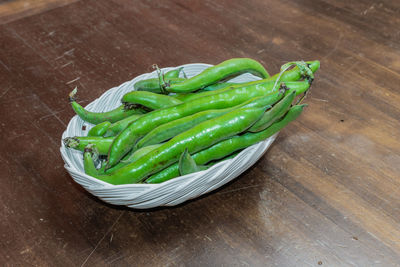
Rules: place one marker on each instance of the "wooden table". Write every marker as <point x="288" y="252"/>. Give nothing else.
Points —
<point x="326" y="193"/>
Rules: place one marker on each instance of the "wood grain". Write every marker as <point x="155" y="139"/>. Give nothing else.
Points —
<point x="326" y="193"/>
<point x="14" y="9"/>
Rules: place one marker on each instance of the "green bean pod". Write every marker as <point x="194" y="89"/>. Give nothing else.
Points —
<point x="80" y="142"/>
<point x="291" y="75"/>
<point x="191" y="96"/>
<point x="100" y="129"/>
<point x="188" y="165"/>
<point x="114" y="115"/>
<point x="272" y="115"/>
<point x="226" y="147"/>
<point x="137" y="154"/>
<point x="230" y="156"/>
<point x="294" y="74"/>
<point x="153" y="84"/>
<point x="213" y="87"/>
<point x="126" y="140"/>
<point x="227" y="69"/>
<point x="175" y="127"/>
<point x="217" y="86"/>
<point x="170" y="129"/>
<point x="118" y="126"/>
<point x="197" y="138"/>
<point x="129" y="158"/>
<point x="88" y="163"/>
<point x="173" y="73"/>
<point x="149" y="99"/>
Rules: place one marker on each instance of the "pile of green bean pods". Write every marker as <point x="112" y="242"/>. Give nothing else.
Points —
<point x="173" y="125"/>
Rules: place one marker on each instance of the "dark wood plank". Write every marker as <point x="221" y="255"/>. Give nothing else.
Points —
<point x="326" y="193"/>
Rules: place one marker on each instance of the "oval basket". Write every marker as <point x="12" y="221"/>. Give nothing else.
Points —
<point x="169" y="193"/>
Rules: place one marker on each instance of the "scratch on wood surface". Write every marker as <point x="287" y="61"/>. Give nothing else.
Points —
<point x="372" y="62"/>
<point x="240" y="188"/>
<point x="13" y="137"/>
<point x="334" y="48"/>
<point x="83" y="86"/>
<point x="5" y="66"/>
<point x="338" y="112"/>
<point x="51" y="112"/>
<point x="114" y="259"/>
<point x="368" y="9"/>
<point x="66" y="64"/>
<point x="29" y="249"/>
<point x="352" y="66"/>
<point x="5" y="92"/>
<point x="101" y="239"/>
<point x="20" y="97"/>
<point x="318" y="99"/>
<point x="74" y="80"/>
<point x="46" y="134"/>
<point x="28" y="45"/>
<point x="69" y="52"/>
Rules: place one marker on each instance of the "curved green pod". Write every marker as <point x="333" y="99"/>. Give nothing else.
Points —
<point x="175" y="127"/>
<point x="197" y="138"/>
<point x="170" y="129"/>
<point x="126" y="140"/>
<point x="227" y="147"/>
<point x="291" y="75"/>
<point x="114" y="115"/>
<point x="149" y="100"/>
<point x="272" y="115"/>
<point x="80" y="142"/>
<point x="227" y="69"/>
<point x="187" y="164"/>
<point x="129" y="158"/>
<point x="153" y="84"/>
<point x="118" y="126"/>
<point x="172" y="74"/>
<point x="88" y="163"/>
<point x="100" y="129"/>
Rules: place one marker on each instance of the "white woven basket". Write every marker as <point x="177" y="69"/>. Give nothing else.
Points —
<point x="169" y="193"/>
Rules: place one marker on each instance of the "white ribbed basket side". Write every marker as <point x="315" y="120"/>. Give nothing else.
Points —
<point x="169" y="193"/>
